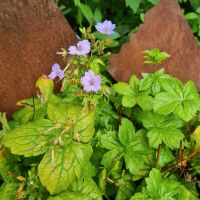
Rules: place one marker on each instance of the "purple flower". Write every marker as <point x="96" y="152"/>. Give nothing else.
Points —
<point x="56" y="71"/>
<point x="105" y="27"/>
<point x="82" y="48"/>
<point x="91" y="82"/>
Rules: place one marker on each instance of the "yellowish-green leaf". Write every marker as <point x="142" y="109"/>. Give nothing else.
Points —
<point x="196" y="137"/>
<point x="30" y="139"/>
<point x="62" y="165"/>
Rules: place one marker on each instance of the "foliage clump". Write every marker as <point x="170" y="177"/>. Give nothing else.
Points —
<point x="98" y="140"/>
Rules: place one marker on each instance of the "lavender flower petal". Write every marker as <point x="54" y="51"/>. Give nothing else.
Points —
<point x="91" y="82"/>
<point x="82" y="48"/>
<point x="72" y="50"/>
<point x="105" y="27"/>
<point x="52" y="75"/>
<point x="56" y="67"/>
<point x="56" y="72"/>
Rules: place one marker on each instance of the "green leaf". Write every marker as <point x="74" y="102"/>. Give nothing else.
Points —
<point x="31" y="139"/>
<point x="97" y="15"/>
<point x="195" y="4"/>
<point x="69" y="195"/>
<point x="56" y="172"/>
<point x="45" y="86"/>
<point x="161" y="128"/>
<point x="129" y="101"/>
<point x="165" y="103"/>
<point x="4" y="122"/>
<point x="134" y="83"/>
<point x="102" y="180"/>
<point x="139" y="196"/>
<point x="124" y="89"/>
<point x="184" y="100"/>
<point x="125" y="189"/>
<point x="61" y="112"/>
<point x="191" y="16"/>
<point x="165" y="157"/>
<point x="154" y="2"/>
<point x="158" y="188"/>
<point x="145" y="101"/>
<point x="171" y="137"/>
<point x="33" y="110"/>
<point x="152" y="82"/>
<point x="113" y="36"/>
<point x="132" y="95"/>
<point x="155" y="56"/>
<point x="87" y="12"/>
<point x="87" y="187"/>
<point x="134" y="5"/>
<point x="8" y="190"/>
<point x="110" y="140"/>
<point x="162" y="188"/>
<point x="196" y="137"/>
<point x="81" y="118"/>
<point x="126" y="132"/>
<point x="110" y="158"/>
<point x="138" y="155"/>
<point x="84" y="124"/>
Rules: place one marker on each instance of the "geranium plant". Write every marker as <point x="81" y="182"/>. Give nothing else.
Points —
<point x="98" y="140"/>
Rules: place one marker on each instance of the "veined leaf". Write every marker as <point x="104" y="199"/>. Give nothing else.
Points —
<point x="126" y="132"/>
<point x="112" y="157"/>
<point x="87" y="187"/>
<point x="161" y="128"/>
<point x="110" y="141"/>
<point x="163" y="188"/>
<point x="62" y="165"/>
<point x="138" y="155"/>
<point x="133" y="147"/>
<point x="165" y="156"/>
<point x="125" y="189"/>
<point x="31" y="139"/>
<point x="152" y="82"/>
<point x="196" y="136"/>
<point x="69" y="195"/>
<point x="132" y="95"/>
<point x="81" y="118"/>
<point x="124" y="89"/>
<point x="184" y="100"/>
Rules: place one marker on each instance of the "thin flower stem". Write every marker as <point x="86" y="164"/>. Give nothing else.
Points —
<point x="67" y="66"/>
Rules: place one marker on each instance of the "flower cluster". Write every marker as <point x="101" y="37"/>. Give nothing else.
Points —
<point x="90" y="81"/>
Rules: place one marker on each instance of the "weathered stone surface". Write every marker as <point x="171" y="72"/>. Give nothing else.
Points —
<point x="166" y="29"/>
<point x="31" y="32"/>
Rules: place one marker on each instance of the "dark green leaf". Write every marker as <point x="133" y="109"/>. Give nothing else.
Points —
<point x="87" y="12"/>
<point x="133" y="4"/>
